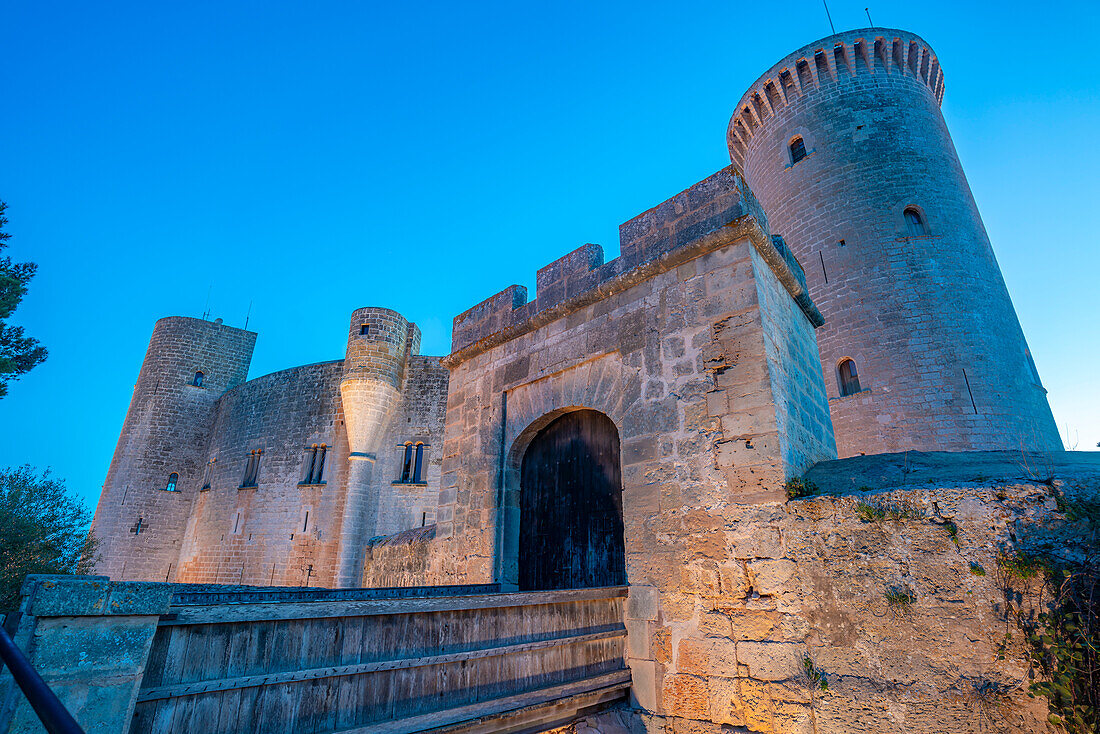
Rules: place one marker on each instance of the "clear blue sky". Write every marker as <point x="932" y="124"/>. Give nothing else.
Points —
<point x="316" y="157"/>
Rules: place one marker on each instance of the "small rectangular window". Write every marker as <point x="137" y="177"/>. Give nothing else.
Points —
<point x="364" y="330"/>
<point x="252" y="469"/>
<point x="314" y="469"/>
<point x="207" y="474"/>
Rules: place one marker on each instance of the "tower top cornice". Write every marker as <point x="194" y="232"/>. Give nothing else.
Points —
<point x="834" y="59"/>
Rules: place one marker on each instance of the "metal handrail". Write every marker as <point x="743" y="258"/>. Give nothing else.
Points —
<point x="51" y="712"/>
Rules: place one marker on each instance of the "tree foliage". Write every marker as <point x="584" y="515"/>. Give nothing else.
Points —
<point x="44" y="530"/>
<point x="18" y="353"/>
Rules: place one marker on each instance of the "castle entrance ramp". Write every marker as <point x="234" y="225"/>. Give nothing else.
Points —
<point x="454" y="659"/>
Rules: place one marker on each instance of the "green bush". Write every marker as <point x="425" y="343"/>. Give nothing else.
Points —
<point x="799" y="487"/>
<point x="900" y="597"/>
<point x="875" y="511"/>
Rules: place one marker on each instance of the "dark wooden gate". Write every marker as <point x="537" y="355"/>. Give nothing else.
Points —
<point x="571" y="506"/>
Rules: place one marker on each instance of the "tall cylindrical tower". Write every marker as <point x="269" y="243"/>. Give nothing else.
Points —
<point x="379" y="343"/>
<point x="160" y="460"/>
<point x="844" y="144"/>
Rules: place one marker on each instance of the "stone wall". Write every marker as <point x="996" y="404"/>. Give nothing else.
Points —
<point x="139" y="523"/>
<point x="286" y="527"/>
<point x="261" y="535"/>
<point x="401" y="559"/>
<point x="285" y="531"/>
<point x="927" y="319"/>
<point x="675" y="350"/>
<point x="402" y="506"/>
<point x="766" y="587"/>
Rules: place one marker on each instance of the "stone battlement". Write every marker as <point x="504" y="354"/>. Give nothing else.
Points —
<point x="661" y="234"/>
<point x="832" y="60"/>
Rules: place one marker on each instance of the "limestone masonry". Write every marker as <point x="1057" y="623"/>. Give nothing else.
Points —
<point x="831" y="293"/>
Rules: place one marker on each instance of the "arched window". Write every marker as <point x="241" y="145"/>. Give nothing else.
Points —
<point x="849" y="379"/>
<point x="197" y="382"/>
<point x="798" y="149"/>
<point x="412" y="463"/>
<point x="315" y="465"/>
<point x="914" y="222"/>
<point x="172" y="479"/>
<point x="406" y="463"/>
<point x="418" y="466"/>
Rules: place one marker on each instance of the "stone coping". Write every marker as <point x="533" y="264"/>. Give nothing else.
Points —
<point x="745" y="227"/>
<point x="942" y="468"/>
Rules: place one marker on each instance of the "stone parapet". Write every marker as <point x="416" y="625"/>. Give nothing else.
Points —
<point x="89" y="639"/>
<point x="705" y="217"/>
<point x="840" y="58"/>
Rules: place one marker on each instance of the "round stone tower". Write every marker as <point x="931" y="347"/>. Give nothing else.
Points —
<point x="379" y="344"/>
<point x="160" y="462"/>
<point x="844" y="144"/>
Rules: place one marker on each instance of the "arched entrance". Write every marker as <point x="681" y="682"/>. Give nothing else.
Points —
<point x="571" y="506"/>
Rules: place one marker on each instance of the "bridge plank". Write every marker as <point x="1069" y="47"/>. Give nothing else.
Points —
<point x="230" y="613"/>
<point x="269" y="679"/>
<point x="476" y="714"/>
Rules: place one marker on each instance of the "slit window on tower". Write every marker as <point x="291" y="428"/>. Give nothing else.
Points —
<point x="173" y="479"/>
<point x="798" y="149"/>
<point x="848" y="378"/>
<point x="364" y="330"/>
<point x="914" y="222"/>
<point x="199" y="377"/>
<point x="315" y="464"/>
<point x="252" y="469"/>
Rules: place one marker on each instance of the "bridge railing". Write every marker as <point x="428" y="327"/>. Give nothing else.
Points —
<point x="174" y="658"/>
<point x="381" y="664"/>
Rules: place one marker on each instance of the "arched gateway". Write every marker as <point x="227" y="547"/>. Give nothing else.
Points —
<point x="571" y="506"/>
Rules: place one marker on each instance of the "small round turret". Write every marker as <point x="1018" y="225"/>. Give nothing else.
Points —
<point x="379" y="343"/>
<point x="844" y="144"/>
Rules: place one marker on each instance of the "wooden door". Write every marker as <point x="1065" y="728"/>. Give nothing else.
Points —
<point x="571" y="506"/>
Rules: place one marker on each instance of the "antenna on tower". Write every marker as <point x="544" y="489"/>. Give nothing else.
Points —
<point x="249" y="314"/>
<point x="868" y="11"/>
<point x="206" y="308"/>
<point x="829" y="16"/>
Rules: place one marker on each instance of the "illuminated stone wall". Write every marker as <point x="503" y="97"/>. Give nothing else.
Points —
<point x="927" y="318"/>
<point x="699" y="347"/>
<point x="285" y="530"/>
<point x="139" y="523"/>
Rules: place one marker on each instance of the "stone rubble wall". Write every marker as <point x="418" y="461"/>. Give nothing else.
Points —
<point x="401" y="559"/>
<point x="721" y="645"/>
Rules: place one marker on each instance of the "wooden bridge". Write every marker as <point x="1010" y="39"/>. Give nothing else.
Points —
<point x="367" y="661"/>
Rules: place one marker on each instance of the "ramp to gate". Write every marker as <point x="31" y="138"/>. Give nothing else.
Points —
<point x="371" y="661"/>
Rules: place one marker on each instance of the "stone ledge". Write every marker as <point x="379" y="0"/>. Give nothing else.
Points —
<point x="80" y="596"/>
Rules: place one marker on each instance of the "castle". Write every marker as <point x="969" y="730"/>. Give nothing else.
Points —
<point x="285" y="478"/>
<point x="832" y="293"/>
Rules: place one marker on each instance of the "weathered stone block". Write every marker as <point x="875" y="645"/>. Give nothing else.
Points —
<point x="770" y="577"/>
<point x="771" y="660"/>
<point x="641" y="602"/>
<point x="686" y="696"/>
